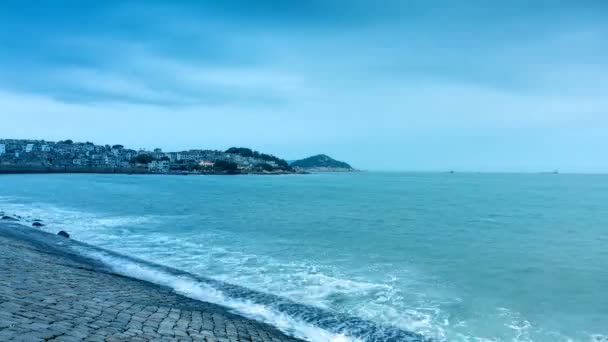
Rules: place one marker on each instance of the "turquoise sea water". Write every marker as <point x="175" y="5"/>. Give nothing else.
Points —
<point x="454" y="257"/>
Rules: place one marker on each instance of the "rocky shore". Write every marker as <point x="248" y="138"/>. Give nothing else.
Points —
<point x="48" y="293"/>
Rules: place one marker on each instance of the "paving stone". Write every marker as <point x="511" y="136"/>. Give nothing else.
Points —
<point x="53" y="296"/>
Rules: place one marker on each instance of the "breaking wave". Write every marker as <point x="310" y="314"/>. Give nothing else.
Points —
<point x="301" y="321"/>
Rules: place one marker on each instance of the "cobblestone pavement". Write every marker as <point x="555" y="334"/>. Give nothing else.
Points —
<point x="50" y="296"/>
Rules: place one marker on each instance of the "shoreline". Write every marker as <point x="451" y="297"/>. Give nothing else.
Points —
<point x="129" y="171"/>
<point x="272" y="315"/>
<point x="49" y="292"/>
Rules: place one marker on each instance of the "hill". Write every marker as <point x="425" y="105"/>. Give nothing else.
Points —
<point x="40" y="156"/>
<point x="321" y="162"/>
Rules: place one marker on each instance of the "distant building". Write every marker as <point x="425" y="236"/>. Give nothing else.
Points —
<point x="158" y="166"/>
<point x="194" y="156"/>
<point x="158" y="155"/>
<point x="206" y="163"/>
<point x="75" y="154"/>
<point x="173" y="156"/>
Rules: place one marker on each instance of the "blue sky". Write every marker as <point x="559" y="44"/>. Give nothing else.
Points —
<point x="385" y="85"/>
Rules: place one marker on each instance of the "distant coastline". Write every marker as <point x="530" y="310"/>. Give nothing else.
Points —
<point x="25" y="156"/>
<point x="4" y="169"/>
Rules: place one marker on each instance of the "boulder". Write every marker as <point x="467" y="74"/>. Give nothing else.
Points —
<point x="9" y="218"/>
<point x="64" y="234"/>
<point x="37" y="224"/>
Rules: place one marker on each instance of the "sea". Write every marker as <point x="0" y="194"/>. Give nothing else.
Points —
<point x="362" y="256"/>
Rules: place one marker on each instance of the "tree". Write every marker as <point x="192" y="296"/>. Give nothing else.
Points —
<point x="283" y="164"/>
<point x="117" y="147"/>
<point x="165" y="158"/>
<point x="266" y="167"/>
<point x="222" y="165"/>
<point x="243" y="151"/>
<point x="142" y="159"/>
<point x="246" y="152"/>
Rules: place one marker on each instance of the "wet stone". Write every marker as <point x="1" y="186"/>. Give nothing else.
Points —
<point x="54" y="297"/>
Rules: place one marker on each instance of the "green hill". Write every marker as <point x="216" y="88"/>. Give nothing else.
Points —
<point x="321" y="161"/>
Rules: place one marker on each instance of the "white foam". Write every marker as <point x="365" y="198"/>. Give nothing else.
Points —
<point x="196" y="290"/>
<point x="303" y="283"/>
<point x="96" y="228"/>
<point x="598" y="338"/>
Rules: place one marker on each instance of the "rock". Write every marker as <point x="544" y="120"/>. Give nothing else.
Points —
<point x="64" y="234"/>
<point x="37" y="224"/>
<point x="9" y="218"/>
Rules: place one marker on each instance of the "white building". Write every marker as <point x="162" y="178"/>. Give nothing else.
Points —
<point x="158" y="166"/>
<point x="45" y="148"/>
<point x="206" y="163"/>
<point x="2" y="149"/>
<point x="109" y="161"/>
<point x="29" y="148"/>
<point x="191" y="156"/>
<point x="158" y="155"/>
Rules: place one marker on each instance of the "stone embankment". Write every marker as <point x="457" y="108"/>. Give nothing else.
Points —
<point x="50" y="294"/>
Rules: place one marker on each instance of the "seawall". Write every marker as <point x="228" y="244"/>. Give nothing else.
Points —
<point x="50" y="293"/>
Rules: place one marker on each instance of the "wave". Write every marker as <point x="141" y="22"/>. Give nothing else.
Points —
<point x="298" y="320"/>
<point x="324" y="287"/>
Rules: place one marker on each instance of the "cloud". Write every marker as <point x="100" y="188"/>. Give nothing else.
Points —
<point x="140" y="77"/>
<point x="428" y="79"/>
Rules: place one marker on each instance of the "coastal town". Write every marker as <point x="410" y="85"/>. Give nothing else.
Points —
<point x="39" y="156"/>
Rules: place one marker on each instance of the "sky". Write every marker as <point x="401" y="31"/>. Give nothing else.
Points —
<point x="515" y="86"/>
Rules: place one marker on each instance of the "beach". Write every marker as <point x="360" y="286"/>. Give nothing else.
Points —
<point x="49" y="293"/>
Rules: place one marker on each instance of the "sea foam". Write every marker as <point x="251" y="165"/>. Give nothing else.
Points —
<point x="198" y="290"/>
